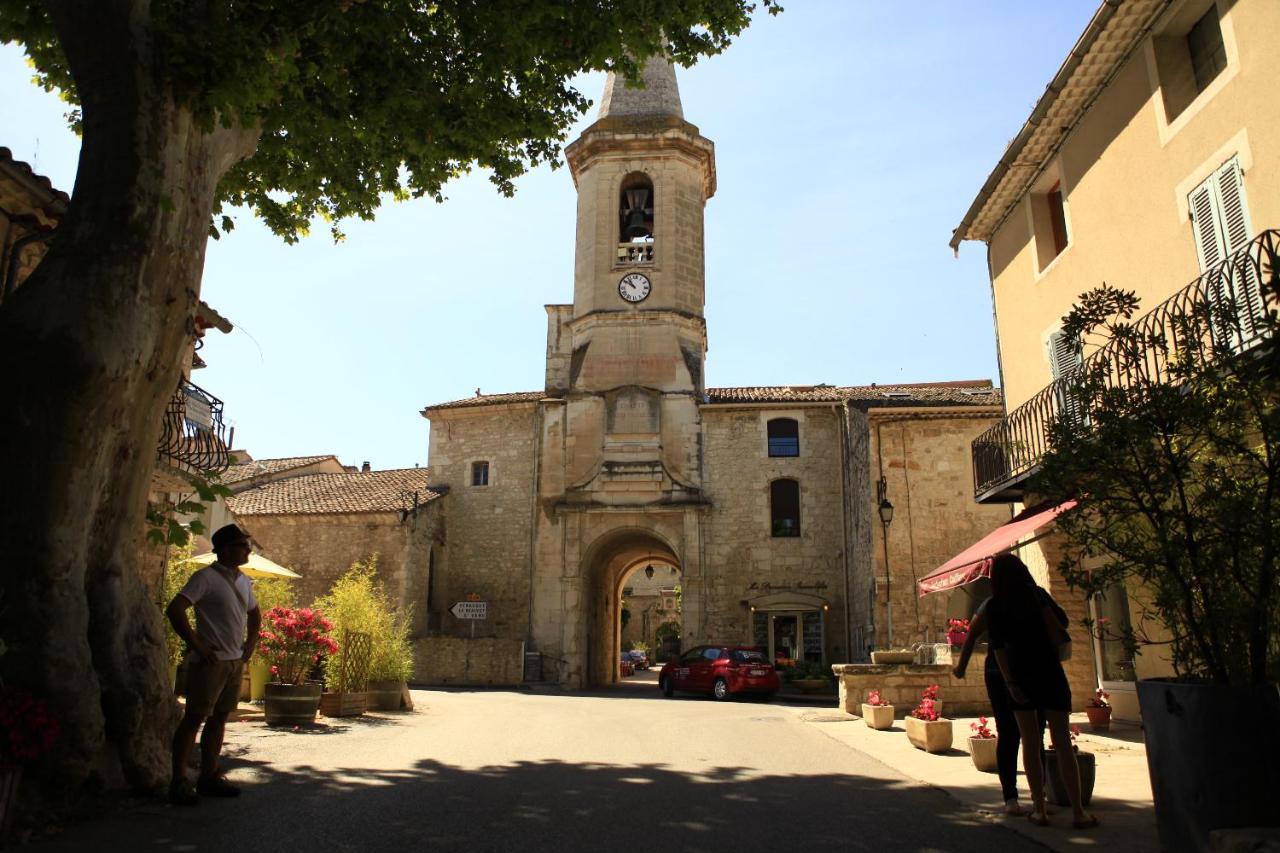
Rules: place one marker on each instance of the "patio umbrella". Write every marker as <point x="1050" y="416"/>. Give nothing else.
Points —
<point x="257" y="567"/>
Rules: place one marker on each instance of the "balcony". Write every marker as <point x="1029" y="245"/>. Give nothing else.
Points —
<point x="194" y="436"/>
<point x="1006" y="455"/>
<point x="630" y="254"/>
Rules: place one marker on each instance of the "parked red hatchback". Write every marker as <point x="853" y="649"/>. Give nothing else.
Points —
<point x="722" y="671"/>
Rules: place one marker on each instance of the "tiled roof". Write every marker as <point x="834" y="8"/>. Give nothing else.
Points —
<point x="26" y="172"/>
<point x="353" y="492"/>
<point x="976" y="392"/>
<point x="258" y="467"/>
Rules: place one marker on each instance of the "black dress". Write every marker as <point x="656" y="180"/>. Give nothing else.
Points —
<point x="1018" y="627"/>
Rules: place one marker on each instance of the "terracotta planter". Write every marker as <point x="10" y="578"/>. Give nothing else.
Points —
<point x="385" y="695"/>
<point x="1058" y="788"/>
<point x="929" y="735"/>
<point x="983" y="752"/>
<point x="878" y="717"/>
<point x="291" y="704"/>
<point x="345" y="704"/>
<point x="1099" y="718"/>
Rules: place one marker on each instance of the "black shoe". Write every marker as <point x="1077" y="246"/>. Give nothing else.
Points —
<point x="182" y="794"/>
<point x="217" y="786"/>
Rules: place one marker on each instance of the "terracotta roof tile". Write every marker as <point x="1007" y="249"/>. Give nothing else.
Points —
<point x="258" y="467"/>
<point x="353" y="492"/>
<point x="488" y="400"/>
<point x="25" y="170"/>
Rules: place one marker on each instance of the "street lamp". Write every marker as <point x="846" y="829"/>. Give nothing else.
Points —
<point x="886" y="518"/>
<point x="648" y="571"/>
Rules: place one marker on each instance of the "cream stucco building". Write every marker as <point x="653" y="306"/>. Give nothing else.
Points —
<point x="1150" y="163"/>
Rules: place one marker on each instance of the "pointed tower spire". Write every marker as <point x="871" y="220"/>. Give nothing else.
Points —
<point x="659" y="97"/>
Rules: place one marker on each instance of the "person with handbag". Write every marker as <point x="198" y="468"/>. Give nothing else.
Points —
<point x="226" y="632"/>
<point x="1027" y="632"/>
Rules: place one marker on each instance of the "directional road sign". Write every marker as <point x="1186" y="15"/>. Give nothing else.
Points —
<point x="470" y="610"/>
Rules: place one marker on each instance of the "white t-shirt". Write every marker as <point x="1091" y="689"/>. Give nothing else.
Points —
<point x="221" y="620"/>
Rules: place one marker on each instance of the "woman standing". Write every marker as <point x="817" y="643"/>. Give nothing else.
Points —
<point x="1025" y="626"/>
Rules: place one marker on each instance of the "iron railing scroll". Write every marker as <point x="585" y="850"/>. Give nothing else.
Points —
<point x="1230" y="295"/>
<point x="194" y="434"/>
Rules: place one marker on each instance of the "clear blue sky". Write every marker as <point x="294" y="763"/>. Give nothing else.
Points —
<point x="850" y="139"/>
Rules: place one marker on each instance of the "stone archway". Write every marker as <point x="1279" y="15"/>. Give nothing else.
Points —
<point x="611" y="560"/>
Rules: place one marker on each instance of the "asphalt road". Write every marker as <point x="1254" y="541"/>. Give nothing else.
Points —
<point x="492" y="770"/>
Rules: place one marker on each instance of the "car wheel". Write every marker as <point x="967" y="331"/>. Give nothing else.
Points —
<point x="721" y="690"/>
<point x="664" y="684"/>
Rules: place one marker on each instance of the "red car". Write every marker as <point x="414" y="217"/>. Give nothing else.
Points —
<point x="722" y="671"/>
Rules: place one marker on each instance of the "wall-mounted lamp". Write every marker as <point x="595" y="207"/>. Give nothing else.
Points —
<point x="886" y="512"/>
<point x="886" y="518"/>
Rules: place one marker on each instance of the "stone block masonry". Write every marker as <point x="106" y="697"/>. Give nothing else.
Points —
<point x="458" y="660"/>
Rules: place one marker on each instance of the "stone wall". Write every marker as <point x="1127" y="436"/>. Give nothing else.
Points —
<point x="487" y="543"/>
<point x="926" y="462"/>
<point x="457" y="660"/>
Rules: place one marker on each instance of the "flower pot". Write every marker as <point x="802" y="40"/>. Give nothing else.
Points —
<point x="878" y="717"/>
<point x="809" y="685"/>
<point x="385" y="695"/>
<point x="348" y="703"/>
<point x="893" y="656"/>
<point x="1057" y="789"/>
<point x="9" y="779"/>
<point x="929" y="735"/>
<point x="1099" y="718"/>
<point x="259" y="675"/>
<point x="291" y="704"/>
<point x="983" y="752"/>
<point x="1214" y="757"/>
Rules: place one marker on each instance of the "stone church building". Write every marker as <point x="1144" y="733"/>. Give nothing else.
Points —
<point x="760" y="503"/>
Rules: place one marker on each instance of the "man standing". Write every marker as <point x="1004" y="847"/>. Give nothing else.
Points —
<point x="227" y="622"/>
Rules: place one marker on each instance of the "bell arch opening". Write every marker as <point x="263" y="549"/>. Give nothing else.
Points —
<point x="644" y="564"/>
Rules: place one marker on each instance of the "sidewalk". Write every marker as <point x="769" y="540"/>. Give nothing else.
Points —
<point x="1121" y="796"/>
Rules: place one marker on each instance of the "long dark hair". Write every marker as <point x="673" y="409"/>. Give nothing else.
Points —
<point x="1011" y="580"/>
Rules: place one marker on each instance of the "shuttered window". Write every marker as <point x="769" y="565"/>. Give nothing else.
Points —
<point x="1220" y="222"/>
<point x="1063" y="361"/>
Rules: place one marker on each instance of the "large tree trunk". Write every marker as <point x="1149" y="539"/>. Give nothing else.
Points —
<point x="90" y="350"/>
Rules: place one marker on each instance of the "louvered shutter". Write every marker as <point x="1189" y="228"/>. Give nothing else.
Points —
<point x="1220" y="221"/>
<point x="1063" y="361"/>
<point x="1204" y="221"/>
<point x="1243" y="283"/>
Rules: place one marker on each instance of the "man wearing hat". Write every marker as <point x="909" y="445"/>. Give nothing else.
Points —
<point x="227" y="622"/>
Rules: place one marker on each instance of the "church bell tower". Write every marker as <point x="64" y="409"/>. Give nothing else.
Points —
<point x="627" y="357"/>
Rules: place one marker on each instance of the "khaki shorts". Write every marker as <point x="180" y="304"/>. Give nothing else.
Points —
<point x="213" y="687"/>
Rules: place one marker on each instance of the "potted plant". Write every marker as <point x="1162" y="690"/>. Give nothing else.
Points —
<point x="358" y="606"/>
<point x="807" y="676"/>
<point x="957" y="631"/>
<point x="1099" y="711"/>
<point x="931" y="693"/>
<point x="391" y="665"/>
<point x="292" y="641"/>
<point x="926" y="729"/>
<point x="1088" y="772"/>
<point x="877" y="712"/>
<point x="1175" y="470"/>
<point x="982" y="746"/>
<point x="27" y="731"/>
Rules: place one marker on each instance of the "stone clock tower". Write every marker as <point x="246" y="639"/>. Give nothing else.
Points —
<point x="627" y="356"/>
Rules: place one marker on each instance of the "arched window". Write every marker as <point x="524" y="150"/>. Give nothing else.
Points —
<point x="784" y="437"/>
<point x="635" y="220"/>
<point x="784" y="507"/>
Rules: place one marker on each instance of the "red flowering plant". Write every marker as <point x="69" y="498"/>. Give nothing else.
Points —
<point x="981" y="730"/>
<point x="27" y="727"/>
<point x="957" y="631"/>
<point x="875" y="700"/>
<point x="930" y="693"/>
<point x="928" y="708"/>
<point x="293" y="640"/>
<point x="1100" y="699"/>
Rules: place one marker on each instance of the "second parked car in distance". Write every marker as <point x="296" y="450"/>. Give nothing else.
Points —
<point x="722" y="671"/>
<point x="639" y="658"/>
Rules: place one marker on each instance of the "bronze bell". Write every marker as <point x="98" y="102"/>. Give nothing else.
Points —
<point x="635" y="220"/>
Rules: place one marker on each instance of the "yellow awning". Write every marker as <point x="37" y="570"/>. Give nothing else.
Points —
<point x="257" y="567"/>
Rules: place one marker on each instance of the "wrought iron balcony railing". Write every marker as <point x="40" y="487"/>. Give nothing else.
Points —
<point x="194" y="435"/>
<point x="1232" y="295"/>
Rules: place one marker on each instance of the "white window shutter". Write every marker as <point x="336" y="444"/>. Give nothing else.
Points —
<point x="1235" y="215"/>
<point x="1204" y="223"/>
<point x="1062" y="356"/>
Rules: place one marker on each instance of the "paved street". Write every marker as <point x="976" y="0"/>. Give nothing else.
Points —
<point x="512" y="770"/>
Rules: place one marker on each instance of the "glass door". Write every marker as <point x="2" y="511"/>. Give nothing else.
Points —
<point x="786" y="638"/>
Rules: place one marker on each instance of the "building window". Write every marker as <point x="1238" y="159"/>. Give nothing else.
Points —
<point x="1057" y="218"/>
<point x="784" y="507"/>
<point x="1204" y="45"/>
<point x="784" y="437"/>
<point x="479" y="473"/>
<point x="1065" y="359"/>
<point x="1049" y="222"/>
<point x="1220" y="223"/>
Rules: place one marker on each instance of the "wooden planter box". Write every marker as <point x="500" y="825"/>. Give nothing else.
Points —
<point x="385" y="695"/>
<point x="347" y="704"/>
<point x="929" y="735"/>
<point x="879" y="717"/>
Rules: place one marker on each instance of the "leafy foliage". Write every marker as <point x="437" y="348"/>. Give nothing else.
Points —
<point x="358" y="602"/>
<point x="1179" y="480"/>
<point x="163" y="526"/>
<point x="356" y="99"/>
<point x="178" y="568"/>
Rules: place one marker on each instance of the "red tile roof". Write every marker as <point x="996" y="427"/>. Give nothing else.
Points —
<point x="25" y="171"/>
<point x="351" y="492"/>
<point x="259" y="467"/>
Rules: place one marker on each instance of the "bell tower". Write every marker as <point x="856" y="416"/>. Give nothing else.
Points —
<point x="628" y="356"/>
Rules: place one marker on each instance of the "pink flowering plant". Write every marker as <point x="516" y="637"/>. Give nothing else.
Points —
<point x="981" y="730"/>
<point x="1101" y="699"/>
<point x="928" y="707"/>
<point x="875" y="700"/>
<point x="930" y="692"/>
<point x="27" y="728"/>
<point x="293" y="640"/>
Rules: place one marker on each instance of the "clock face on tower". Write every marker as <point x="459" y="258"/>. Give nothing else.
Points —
<point x="633" y="287"/>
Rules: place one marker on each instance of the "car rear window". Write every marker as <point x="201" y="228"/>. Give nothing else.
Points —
<point x="747" y="656"/>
